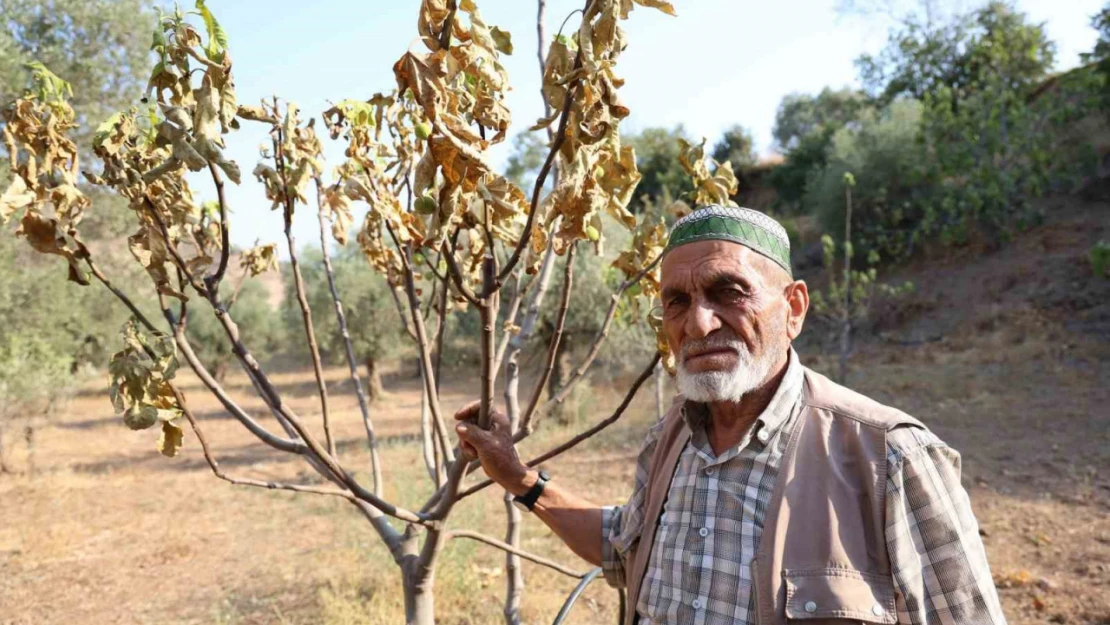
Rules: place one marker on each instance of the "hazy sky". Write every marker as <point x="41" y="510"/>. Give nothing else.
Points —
<point x="720" y="62"/>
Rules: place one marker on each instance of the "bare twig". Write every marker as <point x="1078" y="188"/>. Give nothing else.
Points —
<point x="213" y="281"/>
<point x="377" y="519"/>
<point x="595" y="347"/>
<point x="215" y="466"/>
<point x="352" y="364"/>
<point x="264" y="435"/>
<point x="422" y="344"/>
<point x="120" y="295"/>
<point x="456" y="275"/>
<point x="556" y="338"/>
<point x="298" y="282"/>
<point x="401" y="312"/>
<point x="531" y="557"/>
<point x="581" y="436"/>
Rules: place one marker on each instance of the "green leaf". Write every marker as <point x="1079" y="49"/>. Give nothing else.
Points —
<point x="217" y="37"/>
<point x="502" y="40"/>
<point x="48" y="86"/>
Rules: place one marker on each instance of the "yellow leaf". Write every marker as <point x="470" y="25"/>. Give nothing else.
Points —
<point x="171" y="439"/>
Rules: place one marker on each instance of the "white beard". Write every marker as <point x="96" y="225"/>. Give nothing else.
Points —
<point x="724" y="386"/>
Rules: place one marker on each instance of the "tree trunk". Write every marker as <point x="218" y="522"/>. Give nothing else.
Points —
<point x="373" y="379"/>
<point x="420" y="606"/>
<point x="418" y="582"/>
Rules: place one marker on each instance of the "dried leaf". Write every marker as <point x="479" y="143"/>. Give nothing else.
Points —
<point x="259" y="259"/>
<point x="502" y="39"/>
<point x="171" y="440"/>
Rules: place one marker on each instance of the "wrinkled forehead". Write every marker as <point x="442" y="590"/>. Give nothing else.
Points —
<point x="697" y="263"/>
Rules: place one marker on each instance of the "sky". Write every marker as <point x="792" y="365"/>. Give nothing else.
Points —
<point x="718" y="63"/>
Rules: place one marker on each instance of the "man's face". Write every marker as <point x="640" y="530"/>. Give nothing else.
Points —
<point x="729" y="315"/>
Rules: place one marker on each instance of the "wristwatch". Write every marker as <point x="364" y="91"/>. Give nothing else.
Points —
<point x="528" y="499"/>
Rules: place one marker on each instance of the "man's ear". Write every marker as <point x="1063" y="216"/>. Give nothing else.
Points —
<point x="797" y="304"/>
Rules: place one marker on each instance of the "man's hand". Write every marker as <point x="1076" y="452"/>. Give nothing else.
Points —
<point x="494" y="448"/>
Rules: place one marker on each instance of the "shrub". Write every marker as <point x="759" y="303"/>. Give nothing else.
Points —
<point x="883" y="153"/>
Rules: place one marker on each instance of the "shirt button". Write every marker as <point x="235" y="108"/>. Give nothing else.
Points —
<point x="703" y="532"/>
<point x="763" y="436"/>
<point x="710" y="471"/>
<point x="697" y="604"/>
<point x="811" y="607"/>
<point x="877" y="610"/>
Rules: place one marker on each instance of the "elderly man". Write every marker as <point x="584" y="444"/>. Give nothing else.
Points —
<point x="767" y="494"/>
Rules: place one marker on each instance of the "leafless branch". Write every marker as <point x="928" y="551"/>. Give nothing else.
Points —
<point x="487" y="313"/>
<point x="556" y="338"/>
<point x="120" y="295"/>
<point x="380" y="523"/>
<point x="352" y="364"/>
<point x="531" y="557"/>
<point x="595" y="347"/>
<point x="213" y="281"/>
<point x="456" y="275"/>
<point x="422" y="344"/>
<point x="298" y="282"/>
<point x="581" y="436"/>
<point x="215" y="466"/>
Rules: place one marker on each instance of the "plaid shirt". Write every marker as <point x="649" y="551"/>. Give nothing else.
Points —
<point x="699" y="570"/>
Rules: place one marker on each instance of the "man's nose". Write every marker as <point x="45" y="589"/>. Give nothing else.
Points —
<point x="701" y="321"/>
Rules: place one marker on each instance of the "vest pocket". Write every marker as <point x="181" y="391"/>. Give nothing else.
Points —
<point x="836" y="595"/>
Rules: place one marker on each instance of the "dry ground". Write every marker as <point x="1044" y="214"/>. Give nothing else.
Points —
<point x="109" y="531"/>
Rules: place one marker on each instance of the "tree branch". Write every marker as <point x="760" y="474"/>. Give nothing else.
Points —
<point x="341" y="318"/>
<point x="213" y="281"/>
<point x="595" y="347"/>
<point x="556" y="338"/>
<point x="531" y="557"/>
<point x="581" y="436"/>
<point x="380" y="523"/>
<point x="422" y="344"/>
<point x="456" y="276"/>
<point x="298" y="282"/>
<point x="215" y="466"/>
<point x="120" y="295"/>
<point x="541" y="178"/>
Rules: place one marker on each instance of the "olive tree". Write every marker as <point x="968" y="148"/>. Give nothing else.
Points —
<point x="442" y="226"/>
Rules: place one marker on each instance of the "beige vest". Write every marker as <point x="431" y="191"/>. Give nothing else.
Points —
<point x="822" y="557"/>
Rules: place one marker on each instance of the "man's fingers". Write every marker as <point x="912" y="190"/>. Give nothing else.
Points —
<point x="468" y="450"/>
<point x="469" y="411"/>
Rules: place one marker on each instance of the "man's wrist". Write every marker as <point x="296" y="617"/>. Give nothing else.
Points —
<point x="525" y="483"/>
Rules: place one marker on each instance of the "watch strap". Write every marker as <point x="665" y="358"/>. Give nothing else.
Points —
<point x="529" y="499"/>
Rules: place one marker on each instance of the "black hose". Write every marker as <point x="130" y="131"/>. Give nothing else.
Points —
<point x="565" y="610"/>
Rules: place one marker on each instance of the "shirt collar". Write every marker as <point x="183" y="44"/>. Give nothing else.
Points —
<point x="773" y="417"/>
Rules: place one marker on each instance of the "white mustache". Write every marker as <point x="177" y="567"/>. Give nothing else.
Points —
<point x="713" y="341"/>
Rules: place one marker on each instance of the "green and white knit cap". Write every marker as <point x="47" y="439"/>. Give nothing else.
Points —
<point x="745" y="226"/>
